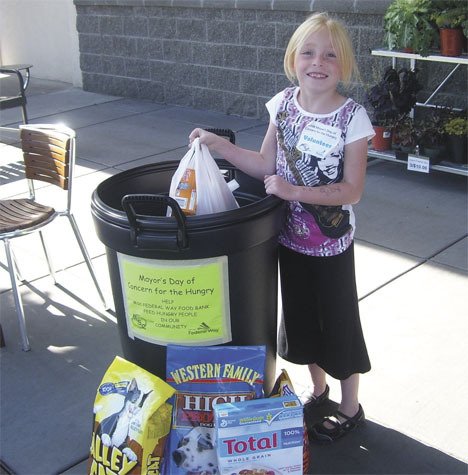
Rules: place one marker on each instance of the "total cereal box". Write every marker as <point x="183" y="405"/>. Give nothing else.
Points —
<point x="260" y="436"/>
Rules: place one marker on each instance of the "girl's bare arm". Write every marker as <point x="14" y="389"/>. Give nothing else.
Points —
<point x="348" y="191"/>
<point x="256" y="164"/>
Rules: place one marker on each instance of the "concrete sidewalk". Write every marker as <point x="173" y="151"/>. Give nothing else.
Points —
<point x="412" y="268"/>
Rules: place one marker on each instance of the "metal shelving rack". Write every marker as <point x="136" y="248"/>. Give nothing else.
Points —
<point x="457" y="61"/>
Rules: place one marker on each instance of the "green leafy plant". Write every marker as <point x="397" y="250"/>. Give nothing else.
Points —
<point x="456" y="130"/>
<point x="450" y="16"/>
<point x="456" y="126"/>
<point x="408" y="24"/>
<point x="449" y="13"/>
<point x="449" y="19"/>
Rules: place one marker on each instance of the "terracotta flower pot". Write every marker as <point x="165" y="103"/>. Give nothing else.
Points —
<point x="451" y="41"/>
<point x="382" y="139"/>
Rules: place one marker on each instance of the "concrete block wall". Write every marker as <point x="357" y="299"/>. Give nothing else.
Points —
<point x="223" y="55"/>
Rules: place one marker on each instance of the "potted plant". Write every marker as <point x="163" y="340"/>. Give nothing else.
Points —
<point x="391" y="99"/>
<point x="408" y="26"/>
<point x="404" y="137"/>
<point x="450" y="17"/>
<point x="431" y="136"/>
<point x="456" y="129"/>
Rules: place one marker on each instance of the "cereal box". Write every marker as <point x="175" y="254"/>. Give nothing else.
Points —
<point x="262" y="436"/>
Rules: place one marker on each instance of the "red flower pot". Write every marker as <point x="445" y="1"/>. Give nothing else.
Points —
<point x="451" y="41"/>
<point x="382" y="139"/>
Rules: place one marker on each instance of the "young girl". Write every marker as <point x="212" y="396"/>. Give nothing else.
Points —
<point x="314" y="156"/>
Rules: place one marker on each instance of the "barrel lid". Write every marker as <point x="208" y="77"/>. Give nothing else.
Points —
<point x="155" y="179"/>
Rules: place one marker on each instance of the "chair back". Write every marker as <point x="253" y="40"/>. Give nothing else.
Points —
<point x="49" y="154"/>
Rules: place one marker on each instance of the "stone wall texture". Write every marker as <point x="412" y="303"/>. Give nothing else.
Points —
<point x="222" y="55"/>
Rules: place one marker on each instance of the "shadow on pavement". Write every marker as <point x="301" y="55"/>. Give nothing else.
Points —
<point x="373" y="449"/>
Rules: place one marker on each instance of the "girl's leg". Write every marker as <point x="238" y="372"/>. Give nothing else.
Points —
<point x="349" y="395"/>
<point x="349" y="389"/>
<point x="332" y="428"/>
<point x="319" y="379"/>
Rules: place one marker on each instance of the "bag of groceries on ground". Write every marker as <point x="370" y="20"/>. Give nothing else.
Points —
<point x="131" y="422"/>
<point x="198" y="185"/>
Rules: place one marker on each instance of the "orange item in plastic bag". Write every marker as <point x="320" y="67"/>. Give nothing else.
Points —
<point x="186" y="192"/>
<point x="212" y="193"/>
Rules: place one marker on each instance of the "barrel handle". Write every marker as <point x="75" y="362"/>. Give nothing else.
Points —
<point x="228" y="133"/>
<point x="231" y="136"/>
<point x="128" y="202"/>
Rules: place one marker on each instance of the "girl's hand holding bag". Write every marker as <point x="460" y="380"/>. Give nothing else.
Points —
<point x="198" y="185"/>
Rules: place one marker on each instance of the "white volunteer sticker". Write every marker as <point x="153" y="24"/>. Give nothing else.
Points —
<point x="318" y="139"/>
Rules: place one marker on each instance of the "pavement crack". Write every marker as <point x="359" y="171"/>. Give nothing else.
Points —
<point x="424" y="260"/>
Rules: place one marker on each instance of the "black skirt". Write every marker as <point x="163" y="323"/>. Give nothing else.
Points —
<point x="320" y="322"/>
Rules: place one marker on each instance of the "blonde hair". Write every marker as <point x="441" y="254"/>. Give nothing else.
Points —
<point x="340" y="40"/>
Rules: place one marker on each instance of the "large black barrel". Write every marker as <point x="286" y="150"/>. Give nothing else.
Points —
<point x="199" y="280"/>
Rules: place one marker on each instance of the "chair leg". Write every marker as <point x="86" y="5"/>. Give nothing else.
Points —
<point x="16" y="294"/>
<point x="25" y="113"/>
<point x="2" y="339"/>
<point x="17" y="269"/>
<point x="84" y="251"/>
<point x="47" y="255"/>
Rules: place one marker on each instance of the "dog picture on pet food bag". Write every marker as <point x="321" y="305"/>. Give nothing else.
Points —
<point x="196" y="453"/>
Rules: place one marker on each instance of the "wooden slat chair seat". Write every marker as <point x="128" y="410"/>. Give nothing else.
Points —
<point x="23" y="214"/>
<point x="49" y="155"/>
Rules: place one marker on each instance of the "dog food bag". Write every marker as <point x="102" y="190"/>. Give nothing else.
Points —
<point x="132" y="420"/>
<point x="284" y="387"/>
<point x="263" y="436"/>
<point x="204" y="376"/>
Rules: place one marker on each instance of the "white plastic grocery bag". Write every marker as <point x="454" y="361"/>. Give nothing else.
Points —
<point x="212" y="193"/>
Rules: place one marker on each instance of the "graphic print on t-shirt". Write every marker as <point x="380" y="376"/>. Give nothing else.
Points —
<point x="307" y="231"/>
<point x="333" y="221"/>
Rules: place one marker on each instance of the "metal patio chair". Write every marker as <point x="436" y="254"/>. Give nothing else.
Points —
<point x="18" y="98"/>
<point x="49" y="156"/>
